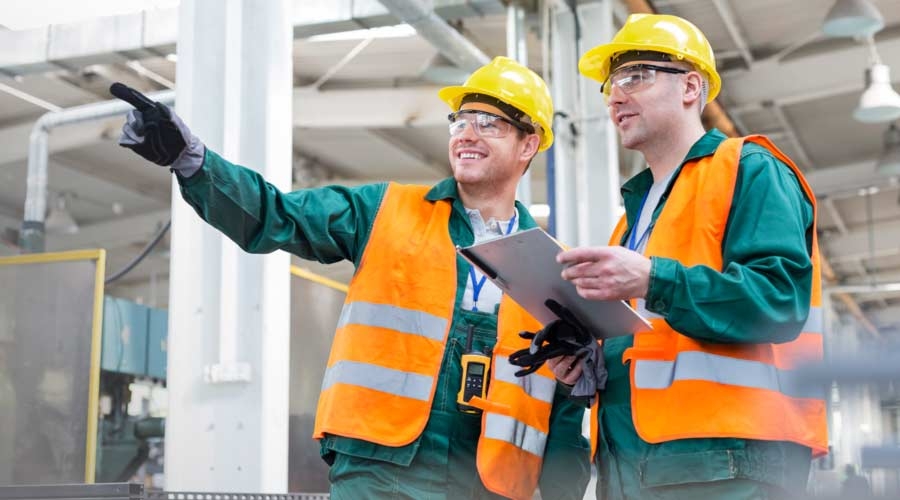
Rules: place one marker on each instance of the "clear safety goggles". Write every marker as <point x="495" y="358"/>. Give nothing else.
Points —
<point x="631" y="79"/>
<point x="484" y="124"/>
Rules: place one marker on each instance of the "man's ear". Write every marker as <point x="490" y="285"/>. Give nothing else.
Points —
<point x="531" y="144"/>
<point x="693" y="89"/>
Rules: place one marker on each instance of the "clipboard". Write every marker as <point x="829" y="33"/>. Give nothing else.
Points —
<point x="523" y="265"/>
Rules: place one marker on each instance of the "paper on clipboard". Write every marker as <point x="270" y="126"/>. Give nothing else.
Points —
<point x="523" y="265"/>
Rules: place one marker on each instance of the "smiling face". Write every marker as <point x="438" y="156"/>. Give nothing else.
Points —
<point x="494" y="162"/>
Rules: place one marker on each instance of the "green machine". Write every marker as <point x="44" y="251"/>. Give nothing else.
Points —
<point x="133" y="368"/>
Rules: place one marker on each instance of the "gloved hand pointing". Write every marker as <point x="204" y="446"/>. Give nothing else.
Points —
<point x="155" y="132"/>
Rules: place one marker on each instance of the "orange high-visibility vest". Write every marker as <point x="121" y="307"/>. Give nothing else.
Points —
<point x="383" y="368"/>
<point x="685" y="388"/>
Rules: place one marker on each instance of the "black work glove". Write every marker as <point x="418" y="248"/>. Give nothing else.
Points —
<point x="565" y="336"/>
<point x="153" y="131"/>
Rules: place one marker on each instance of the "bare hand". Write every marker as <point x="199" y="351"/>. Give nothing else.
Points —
<point x="606" y="273"/>
<point x="567" y="369"/>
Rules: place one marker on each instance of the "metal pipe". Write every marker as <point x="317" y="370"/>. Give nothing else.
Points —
<point x="441" y="35"/>
<point x="564" y="86"/>
<point x="31" y="238"/>
<point x="517" y="49"/>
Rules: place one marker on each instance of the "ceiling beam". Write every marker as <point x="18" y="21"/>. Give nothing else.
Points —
<point x="832" y="210"/>
<point x="441" y="168"/>
<point x="882" y="277"/>
<point x="735" y="31"/>
<point x="357" y="108"/>
<point x="791" y="76"/>
<point x="15" y="138"/>
<point x="855" y="244"/>
<point x="845" y="181"/>
<point x="369" y="108"/>
<point x="117" y="39"/>
<point x="150" y="183"/>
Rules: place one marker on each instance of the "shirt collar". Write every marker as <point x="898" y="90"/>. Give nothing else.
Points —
<point x="446" y="190"/>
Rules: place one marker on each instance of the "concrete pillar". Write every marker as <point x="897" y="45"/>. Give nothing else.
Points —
<point x="598" y="171"/>
<point x="227" y="428"/>
<point x="564" y="85"/>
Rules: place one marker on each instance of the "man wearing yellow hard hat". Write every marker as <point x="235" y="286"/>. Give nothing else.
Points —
<point x="388" y="419"/>
<point x="718" y="249"/>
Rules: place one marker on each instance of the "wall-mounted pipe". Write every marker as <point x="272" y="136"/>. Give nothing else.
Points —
<point x="31" y="237"/>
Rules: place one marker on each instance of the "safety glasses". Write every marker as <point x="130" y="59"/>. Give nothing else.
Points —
<point x="484" y="124"/>
<point x="631" y="79"/>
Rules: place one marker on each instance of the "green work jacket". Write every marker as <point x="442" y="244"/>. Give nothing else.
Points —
<point x="767" y="242"/>
<point x="333" y="223"/>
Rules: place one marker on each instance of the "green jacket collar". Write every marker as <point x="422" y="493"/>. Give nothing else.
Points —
<point x="705" y="146"/>
<point x="446" y="189"/>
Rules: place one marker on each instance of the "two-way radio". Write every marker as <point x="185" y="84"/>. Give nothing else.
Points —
<point x="476" y="367"/>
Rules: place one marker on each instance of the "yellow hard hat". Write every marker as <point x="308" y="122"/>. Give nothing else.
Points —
<point x="512" y="83"/>
<point x="657" y="33"/>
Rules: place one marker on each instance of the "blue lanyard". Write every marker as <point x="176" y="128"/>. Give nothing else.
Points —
<point x="632" y="244"/>
<point x="477" y="284"/>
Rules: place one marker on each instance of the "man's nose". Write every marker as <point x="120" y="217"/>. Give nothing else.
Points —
<point x="468" y="132"/>
<point x="616" y="95"/>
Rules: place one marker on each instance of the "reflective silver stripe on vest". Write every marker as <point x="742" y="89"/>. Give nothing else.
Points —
<point x="379" y="378"/>
<point x="510" y="430"/>
<point x="394" y="318"/>
<point x="537" y="386"/>
<point x="695" y="365"/>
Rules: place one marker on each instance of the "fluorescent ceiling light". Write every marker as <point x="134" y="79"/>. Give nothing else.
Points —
<point x="396" y="31"/>
<point x="38" y="13"/>
<point x="879" y="103"/>
<point x="852" y="18"/>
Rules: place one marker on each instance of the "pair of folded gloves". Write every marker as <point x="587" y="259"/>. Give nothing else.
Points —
<point x="565" y="336"/>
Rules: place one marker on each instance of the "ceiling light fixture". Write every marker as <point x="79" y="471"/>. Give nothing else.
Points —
<point x="889" y="163"/>
<point x="852" y="18"/>
<point x="879" y="103"/>
<point x="59" y="220"/>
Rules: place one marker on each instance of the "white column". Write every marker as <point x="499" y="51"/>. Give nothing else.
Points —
<point x="517" y="49"/>
<point x="598" y="171"/>
<point x="564" y="84"/>
<point x="227" y="428"/>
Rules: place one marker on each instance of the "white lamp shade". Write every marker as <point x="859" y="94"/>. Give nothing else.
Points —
<point x="889" y="163"/>
<point x="59" y="220"/>
<point x="879" y="102"/>
<point x="852" y="18"/>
